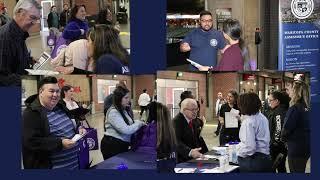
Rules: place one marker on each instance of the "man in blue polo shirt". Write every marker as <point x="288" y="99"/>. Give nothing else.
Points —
<point x="203" y="42"/>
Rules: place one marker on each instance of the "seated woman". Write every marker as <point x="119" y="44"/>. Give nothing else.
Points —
<point x="119" y="125"/>
<point x="253" y="150"/>
<point x="109" y="56"/>
<point x="166" y="140"/>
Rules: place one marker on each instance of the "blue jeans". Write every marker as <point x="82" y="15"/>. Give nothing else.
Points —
<point x="258" y="162"/>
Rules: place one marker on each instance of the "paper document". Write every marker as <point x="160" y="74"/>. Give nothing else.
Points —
<point x="185" y="170"/>
<point x="44" y="62"/>
<point x="230" y="120"/>
<point x="41" y="72"/>
<point x="77" y="137"/>
<point x="194" y="63"/>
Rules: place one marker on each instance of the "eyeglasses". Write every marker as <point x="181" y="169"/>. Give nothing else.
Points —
<point x="206" y="21"/>
<point x="192" y="110"/>
<point x="34" y="19"/>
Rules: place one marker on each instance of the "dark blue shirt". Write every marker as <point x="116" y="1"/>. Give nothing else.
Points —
<point x="14" y="55"/>
<point x="72" y="31"/>
<point x="205" y="45"/>
<point x="109" y="64"/>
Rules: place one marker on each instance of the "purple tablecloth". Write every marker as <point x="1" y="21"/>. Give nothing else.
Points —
<point x="133" y="160"/>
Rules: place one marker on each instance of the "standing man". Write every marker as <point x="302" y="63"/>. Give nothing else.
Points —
<point x="48" y="130"/>
<point x="190" y="145"/>
<point x="219" y="103"/>
<point x="64" y="16"/>
<point x="53" y="18"/>
<point x="14" y="55"/>
<point x="203" y="42"/>
<point x="144" y="100"/>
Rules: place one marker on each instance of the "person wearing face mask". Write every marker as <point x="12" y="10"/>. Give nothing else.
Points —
<point x="77" y="26"/>
<point x="203" y="42"/>
<point x="14" y="55"/>
<point x="119" y="125"/>
<point x="48" y="130"/>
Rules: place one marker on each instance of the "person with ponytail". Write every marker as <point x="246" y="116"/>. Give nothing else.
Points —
<point x="296" y="128"/>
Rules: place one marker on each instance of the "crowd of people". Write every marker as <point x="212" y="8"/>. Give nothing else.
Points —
<point x="78" y="48"/>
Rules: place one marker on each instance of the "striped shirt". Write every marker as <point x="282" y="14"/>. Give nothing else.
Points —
<point x="61" y="126"/>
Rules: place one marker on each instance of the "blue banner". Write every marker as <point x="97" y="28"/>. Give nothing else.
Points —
<point x="299" y="43"/>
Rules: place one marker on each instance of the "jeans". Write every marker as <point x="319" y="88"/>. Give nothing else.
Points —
<point x="257" y="162"/>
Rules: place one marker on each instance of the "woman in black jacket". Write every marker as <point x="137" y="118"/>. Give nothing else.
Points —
<point x="279" y="104"/>
<point x="296" y="128"/>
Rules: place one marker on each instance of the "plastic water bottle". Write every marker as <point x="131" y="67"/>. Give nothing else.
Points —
<point x="223" y="162"/>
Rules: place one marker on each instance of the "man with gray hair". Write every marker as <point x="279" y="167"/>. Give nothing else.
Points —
<point x="190" y="143"/>
<point x="14" y="55"/>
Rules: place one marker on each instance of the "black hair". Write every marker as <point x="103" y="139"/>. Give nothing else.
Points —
<point x="152" y="112"/>
<point x="102" y="17"/>
<point x="144" y="90"/>
<point x="184" y="95"/>
<point x="65" y="89"/>
<point x="202" y="13"/>
<point x="232" y="28"/>
<point x="249" y="103"/>
<point x="118" y="94"/>
<point x="47" y="80"/>
<point x="282" y="97"/>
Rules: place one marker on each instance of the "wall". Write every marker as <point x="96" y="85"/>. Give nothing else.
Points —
<point x="201" y="78"/>
<point x="98" y="107"/>
<point x="141" y="82"/>
<point x="222" y="82"/>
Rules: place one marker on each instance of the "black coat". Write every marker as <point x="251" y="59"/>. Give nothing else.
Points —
<point x="276" y="120"/>
<point x="296" y="131"/>
<point x="37" y="143"/>
<point x="187" y="139"/>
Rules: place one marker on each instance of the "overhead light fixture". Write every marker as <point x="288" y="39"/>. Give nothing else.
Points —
<point x="255" y="83"/>
<point x="114" y="76"/>
<point x="248" y="83"/>
<point x="241" y="82"/>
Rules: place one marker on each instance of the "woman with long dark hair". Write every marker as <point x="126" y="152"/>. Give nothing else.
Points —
<point x="228" y="134"/>
<point x="77" y="26"/>
<point x="296" y="128"/>
<point x="105" y="47"/>
<point x="166" y="140"/>
<point x="119" y="125"/>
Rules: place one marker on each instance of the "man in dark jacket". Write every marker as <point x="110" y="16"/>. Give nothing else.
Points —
<point x="190" y="143"/>
<point x="64" y="16"/>
<point x="53" y="18"/>
<point x="14" y="55"/>
<point x="48" y="130"/>
<point x="279" y="104"/>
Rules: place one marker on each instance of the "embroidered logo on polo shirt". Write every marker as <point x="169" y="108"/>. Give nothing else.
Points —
<point x="302" y="9"/>
<point x="213" y="42"/>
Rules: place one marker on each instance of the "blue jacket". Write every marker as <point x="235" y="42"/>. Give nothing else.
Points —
<point x="72" y="30"/>
<point x="109" y="64"/>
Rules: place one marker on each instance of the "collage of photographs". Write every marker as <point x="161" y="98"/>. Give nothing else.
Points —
<point x="235" y="96"/>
